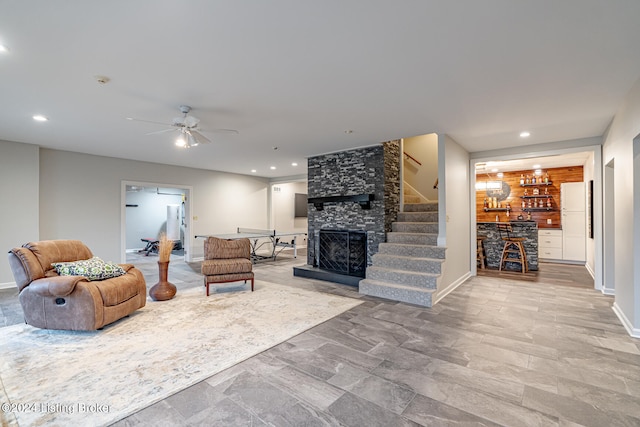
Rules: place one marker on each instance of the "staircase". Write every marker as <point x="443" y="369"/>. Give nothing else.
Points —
<point x="411" y="195"/>
<point x="407" y="267"/>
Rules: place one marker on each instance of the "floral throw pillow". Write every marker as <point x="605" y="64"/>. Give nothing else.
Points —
<point x="93" y="269"/>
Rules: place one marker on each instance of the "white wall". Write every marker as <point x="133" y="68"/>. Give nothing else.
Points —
<point x="423" y="148"/>
<point x="618" y="146"/>
<point x="19" y="212"/>
<point x="80" y="198"/>
<point x="454" y="207"/>
<point x="283" y="202"/>
<point x="149" y="217"/>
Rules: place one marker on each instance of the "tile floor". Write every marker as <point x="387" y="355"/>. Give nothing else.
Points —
<point x="497" y="351"/>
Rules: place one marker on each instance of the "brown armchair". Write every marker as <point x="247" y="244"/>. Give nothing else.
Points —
<point x="226" y="261"/>
<point x="51" y="301"/>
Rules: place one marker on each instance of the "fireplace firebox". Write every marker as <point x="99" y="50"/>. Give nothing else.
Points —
<point x="343" y="252"/>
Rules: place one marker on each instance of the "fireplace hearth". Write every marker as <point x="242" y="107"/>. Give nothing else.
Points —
<point x="343" y="252"/>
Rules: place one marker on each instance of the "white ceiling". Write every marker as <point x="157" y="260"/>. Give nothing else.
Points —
<point x="297" y="74"/>
<point x="523" y="164"/>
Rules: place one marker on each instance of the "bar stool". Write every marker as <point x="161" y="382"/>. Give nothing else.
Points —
<point x="480" y="251"/>
<point x="512" y="246"/>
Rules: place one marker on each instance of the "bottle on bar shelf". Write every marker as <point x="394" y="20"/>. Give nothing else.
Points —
<point x="533" y="179"/>
<point x="546" y="177"/>
<point x="521" y="179"/>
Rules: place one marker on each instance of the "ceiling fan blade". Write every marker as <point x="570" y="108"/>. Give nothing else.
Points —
<point x="160" y="131"/>
<point x="199" y="137"/>
<point x="220" y="131"/>
<point x="148" y="121"/>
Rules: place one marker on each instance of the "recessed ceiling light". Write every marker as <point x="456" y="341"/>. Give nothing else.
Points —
<point x="524" y="134"/>
<point x="536" y="166"/>
<point x="294" y="164"/>
<point x="500" y="175"/>
<point x="253" y="171"/>
<point x="272" y="168"/>
<point x="40" y="118"/>
<point x="494" y="170"/>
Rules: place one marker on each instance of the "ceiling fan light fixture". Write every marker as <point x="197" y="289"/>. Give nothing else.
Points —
<point x="180" y="142"/>
<point x="191" y="140"/>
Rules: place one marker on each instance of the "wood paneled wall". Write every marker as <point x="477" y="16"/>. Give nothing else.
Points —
<point x="556" y="175"/>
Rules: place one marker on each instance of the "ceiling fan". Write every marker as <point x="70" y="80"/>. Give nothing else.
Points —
<point x="190" y="134"/>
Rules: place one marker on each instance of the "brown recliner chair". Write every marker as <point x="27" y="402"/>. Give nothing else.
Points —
<point x="51" y="301"/>
<point x="226" y="261"/>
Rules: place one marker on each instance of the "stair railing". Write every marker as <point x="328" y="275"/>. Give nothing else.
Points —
<point x="409" y="156"/>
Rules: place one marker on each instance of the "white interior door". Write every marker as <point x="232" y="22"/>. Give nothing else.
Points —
<point x="573" y="236"/>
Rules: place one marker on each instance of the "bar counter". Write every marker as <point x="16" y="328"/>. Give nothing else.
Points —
<point x="493" y="243"/>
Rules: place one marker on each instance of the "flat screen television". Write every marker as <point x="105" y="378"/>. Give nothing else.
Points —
<point x="300" y="205"/>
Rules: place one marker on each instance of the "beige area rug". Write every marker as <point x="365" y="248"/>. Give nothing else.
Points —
<point x="96" y="378"/>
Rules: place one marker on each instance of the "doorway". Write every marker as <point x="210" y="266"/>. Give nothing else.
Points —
<point x="151" y="208"/>
<point x="608" y="287"/>
<point x="592" y="170"/>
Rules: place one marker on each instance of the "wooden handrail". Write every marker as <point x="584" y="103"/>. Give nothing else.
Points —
<point x="412" y="158"/>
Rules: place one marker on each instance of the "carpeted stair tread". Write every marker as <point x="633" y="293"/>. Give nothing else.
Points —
<point x="410" y="198"/>
<point x="421" y="207"/>
<point x="412" y="238"/>
<point x="414" y="264"/>
<point x="417" y="216"/>
<point x="412" y="250"/>
<point x="415" y="227"/>
<point x="397" y="292"/>
<point x="408" y="278"/>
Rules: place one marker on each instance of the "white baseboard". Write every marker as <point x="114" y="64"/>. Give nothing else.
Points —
<point x="634" y="332"/>
<point x="446" y="291"/>
<point x="608" y="291"/>
<point x="591" y="272"/>
<point x="7" y="285"/>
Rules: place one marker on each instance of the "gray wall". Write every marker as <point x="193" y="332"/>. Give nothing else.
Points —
<point x="19" y="215"/>
<point x="67" y="195"/>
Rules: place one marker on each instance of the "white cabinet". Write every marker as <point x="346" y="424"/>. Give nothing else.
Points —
<point x="574" y="221"/>
<point x="549" y="244"/>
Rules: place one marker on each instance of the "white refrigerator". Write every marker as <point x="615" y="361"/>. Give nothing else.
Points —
<point x="573" y="201"/>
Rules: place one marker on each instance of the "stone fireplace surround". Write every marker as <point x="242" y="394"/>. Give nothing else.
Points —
<point x="372" y="171"/>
